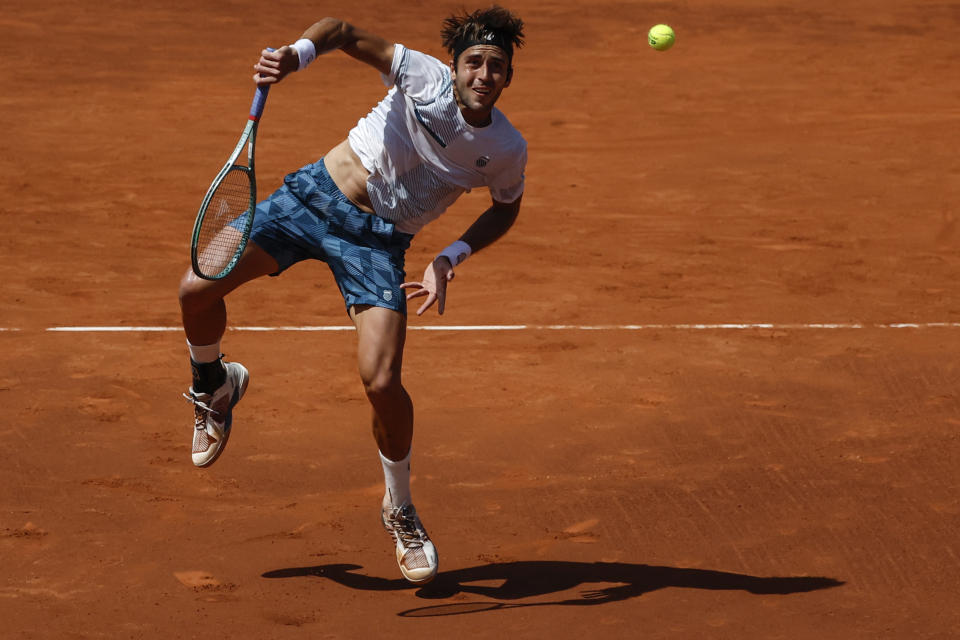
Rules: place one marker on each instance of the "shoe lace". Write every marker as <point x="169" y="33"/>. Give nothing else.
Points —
<point x="201" y="410"/>
<point x="405" y="528"/>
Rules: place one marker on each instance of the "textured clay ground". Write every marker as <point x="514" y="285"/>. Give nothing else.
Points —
<point x="786" y="163"/>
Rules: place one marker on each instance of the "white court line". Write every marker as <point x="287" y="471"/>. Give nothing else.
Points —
<point x="102" y="329"/>
<point x="552" y="327"/>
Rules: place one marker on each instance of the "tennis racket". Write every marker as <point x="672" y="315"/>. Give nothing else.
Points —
<point x="223" y="224"/>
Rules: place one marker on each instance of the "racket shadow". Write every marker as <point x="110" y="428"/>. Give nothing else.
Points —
<point x="516" y="582"/>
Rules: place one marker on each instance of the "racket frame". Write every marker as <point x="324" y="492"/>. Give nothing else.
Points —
<point x="248" y="138"/>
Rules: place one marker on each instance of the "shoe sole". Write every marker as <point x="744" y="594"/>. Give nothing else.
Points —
<point x="237" y="394"/>
<point x="416" y="581"/>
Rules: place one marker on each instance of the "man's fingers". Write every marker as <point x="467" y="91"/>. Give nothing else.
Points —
<point x="420" y="290"/>
<point x="427" y="304"/>
<point x="441" y="296"/>
<point x="417" y="294"/>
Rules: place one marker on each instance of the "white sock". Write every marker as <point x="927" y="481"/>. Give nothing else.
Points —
<point x="204" y="353"/>
<point x="396" y="477"/>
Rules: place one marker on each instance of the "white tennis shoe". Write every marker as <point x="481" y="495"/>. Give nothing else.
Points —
<point x="416" y="555"/>
<point x="213" y="414"/>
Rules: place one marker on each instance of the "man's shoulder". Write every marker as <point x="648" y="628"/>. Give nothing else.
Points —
<point x="415" y="58"/>
<point x="418" y="75"/>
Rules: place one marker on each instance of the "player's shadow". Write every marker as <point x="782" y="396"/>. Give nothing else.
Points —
<point x="507" y="584"/>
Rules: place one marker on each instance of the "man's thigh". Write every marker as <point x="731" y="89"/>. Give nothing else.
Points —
<point x="381" y="334"/>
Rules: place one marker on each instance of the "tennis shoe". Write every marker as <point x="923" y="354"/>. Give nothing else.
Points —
<point x="416" y="555"/>
<point x="213" y="414"/>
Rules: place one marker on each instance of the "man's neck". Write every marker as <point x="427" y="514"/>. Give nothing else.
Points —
<point x="473" y="118"/>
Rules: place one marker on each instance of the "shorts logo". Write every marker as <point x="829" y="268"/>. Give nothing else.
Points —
<point x="482" y="161"/>
<point x="387" y="295"/>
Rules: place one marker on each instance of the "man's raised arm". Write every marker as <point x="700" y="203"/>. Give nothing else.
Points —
<point x="321" y="37"/>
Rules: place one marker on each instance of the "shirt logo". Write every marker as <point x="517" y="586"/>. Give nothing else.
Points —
<point x="482" y="161"/>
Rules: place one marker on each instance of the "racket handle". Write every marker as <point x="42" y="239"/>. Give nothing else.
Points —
<point x="260" y="98"/>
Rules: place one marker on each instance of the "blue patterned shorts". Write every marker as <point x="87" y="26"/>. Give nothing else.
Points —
<point x="308" y="217"/>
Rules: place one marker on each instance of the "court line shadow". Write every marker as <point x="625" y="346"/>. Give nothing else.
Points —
<point x="517" y="581"/>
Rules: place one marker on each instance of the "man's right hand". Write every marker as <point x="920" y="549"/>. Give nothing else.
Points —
<point x="274" y="66"/>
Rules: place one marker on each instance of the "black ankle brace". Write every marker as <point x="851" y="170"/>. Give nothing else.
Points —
<point x="208" y="376"/>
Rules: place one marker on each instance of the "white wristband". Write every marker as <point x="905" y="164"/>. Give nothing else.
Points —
<point x="456" y="253"/>
<point x="306" y="51"/>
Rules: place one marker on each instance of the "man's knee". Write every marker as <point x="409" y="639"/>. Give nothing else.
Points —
<point x="194" y="292"/>
<point x="380" y="382"/>
<point x="380" y="349"/>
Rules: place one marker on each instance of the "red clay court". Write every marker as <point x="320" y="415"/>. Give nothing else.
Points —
<point x="707" y="387"/>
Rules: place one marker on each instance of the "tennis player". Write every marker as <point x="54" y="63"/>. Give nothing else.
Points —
<point x="434" y="136"/>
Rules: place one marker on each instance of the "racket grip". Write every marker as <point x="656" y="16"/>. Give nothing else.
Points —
<point x="260" y="98"/>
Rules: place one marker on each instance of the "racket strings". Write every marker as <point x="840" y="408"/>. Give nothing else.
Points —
<point x="226" y="219"/>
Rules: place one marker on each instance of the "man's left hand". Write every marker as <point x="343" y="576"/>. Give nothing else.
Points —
<point x="434" y="285"/>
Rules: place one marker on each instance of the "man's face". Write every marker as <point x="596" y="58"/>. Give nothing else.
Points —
<point x="481" y="73"/>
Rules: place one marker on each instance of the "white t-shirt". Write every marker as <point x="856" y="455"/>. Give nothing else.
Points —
<point x="422" y="154"/>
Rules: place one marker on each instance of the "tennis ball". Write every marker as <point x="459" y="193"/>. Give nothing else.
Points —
<point x="661" y="37"/>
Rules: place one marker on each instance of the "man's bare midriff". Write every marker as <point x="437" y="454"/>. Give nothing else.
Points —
<point x="349" y="174"/>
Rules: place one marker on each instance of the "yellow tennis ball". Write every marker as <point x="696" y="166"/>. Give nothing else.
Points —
<point x="661" y="37"/>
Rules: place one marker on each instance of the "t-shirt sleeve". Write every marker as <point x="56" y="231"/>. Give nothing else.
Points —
<point x="507" y="184"/>
<point x="416" y="74"/>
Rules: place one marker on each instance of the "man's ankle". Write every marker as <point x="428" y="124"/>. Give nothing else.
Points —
<point x="208" y="376"/>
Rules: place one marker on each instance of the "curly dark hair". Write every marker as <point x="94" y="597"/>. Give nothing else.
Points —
<point x="470" y="27"/>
